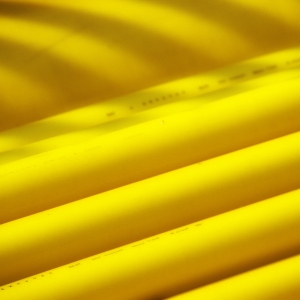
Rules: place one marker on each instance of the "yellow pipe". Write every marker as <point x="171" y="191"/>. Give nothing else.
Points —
<point x="127" y="105"/>
<point x="276" y="281"/>
<point x="148" y="149"/>
<point x="178" y="260"/>
<point x="71" y="42"/>
<point x="75" y="137"/>
<point x="92" y="225"/>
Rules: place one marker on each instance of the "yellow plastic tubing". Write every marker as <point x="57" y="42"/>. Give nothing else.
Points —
<point x="83" y="228"/>
<point x="64" y="175"/>
<point x="148" y="98"/>
<point x="71" y="138"/>
<point x="178" y="260"/>
<point x="276" y="281"/>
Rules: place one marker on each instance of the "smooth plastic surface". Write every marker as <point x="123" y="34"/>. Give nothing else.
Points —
<point x="102" y="222"/>
<point x="178" y="260"/>
<point x="276" y="281"/>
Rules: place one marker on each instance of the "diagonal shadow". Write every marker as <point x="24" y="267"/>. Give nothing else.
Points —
<point x="260" y="27"/>
<point x="143" y="42"/>
<point x="172" y="58"/>
<point x="55" y="65"/>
